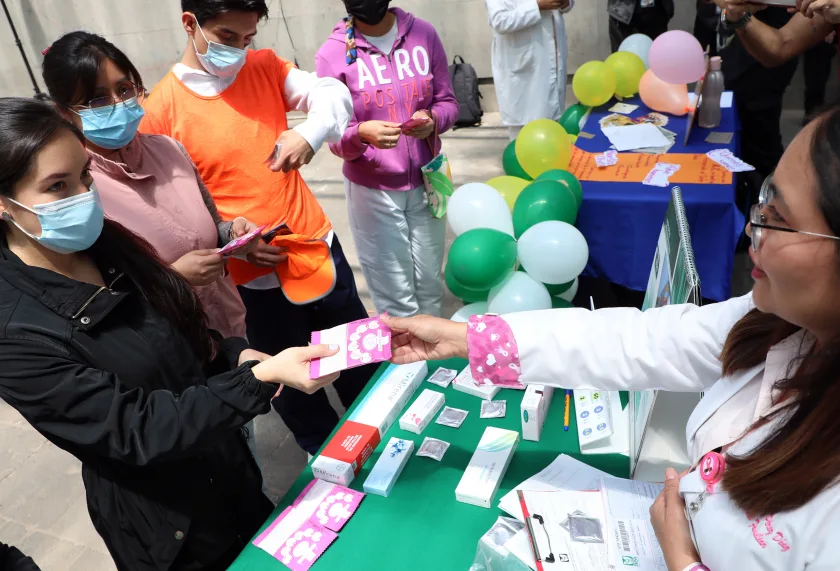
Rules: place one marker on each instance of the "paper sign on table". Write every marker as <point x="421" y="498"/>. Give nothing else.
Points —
<point x="660" y="174"/>
<point x="624" y="108"/>
<point x="608" y="159"/>
<point x="295" y="540"/>
<point x="634" y="167"/>
<point x="635" y="137"/>
<point x="360" y="343"/>
<point x="729" y="161"/>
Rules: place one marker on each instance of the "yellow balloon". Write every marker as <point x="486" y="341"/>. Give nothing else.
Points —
<point x="629" y="69"/>
<point x="594" y="83"/>
<point x="573" y="139"/>
<point x="543" y="145"/>
<point x="509" y="187"/>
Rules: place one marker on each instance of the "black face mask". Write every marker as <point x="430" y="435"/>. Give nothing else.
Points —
<point x="369" y="12"/>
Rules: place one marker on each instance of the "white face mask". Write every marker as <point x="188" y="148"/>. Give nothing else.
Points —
<point x="220" y="60"/>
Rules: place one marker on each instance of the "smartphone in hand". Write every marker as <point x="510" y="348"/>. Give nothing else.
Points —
<point x="281" y="229"/>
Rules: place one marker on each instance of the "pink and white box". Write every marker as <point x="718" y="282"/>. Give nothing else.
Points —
<point x="305" y="529"/>
<point x="360" y="343"/>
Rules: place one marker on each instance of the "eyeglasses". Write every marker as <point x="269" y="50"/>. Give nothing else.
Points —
<point x="105" y="105"/>
<point x="758" y="220"/>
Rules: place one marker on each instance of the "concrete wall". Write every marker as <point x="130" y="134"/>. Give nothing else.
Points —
<point x="149" y="31"/>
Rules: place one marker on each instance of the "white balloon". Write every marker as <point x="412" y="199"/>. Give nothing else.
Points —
<point x="478" y="205"/>
<point x="519" y="292"/>
<point x="553" y="252"/>
<point x="569" y="294"/>
<point x="463" y="315"/>
<point x="638" y="44"/>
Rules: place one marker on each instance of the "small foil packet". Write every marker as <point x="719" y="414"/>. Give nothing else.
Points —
<point x="585" y="529"/>
<point x="433" y="448"/>
<point x="443" y="377"/>
<point x="453" y="417"/>
<point x="493" y="408"/>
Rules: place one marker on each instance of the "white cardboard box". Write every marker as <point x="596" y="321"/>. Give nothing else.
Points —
<point x="422" y="411"/>
<point x="388" y="468"/>
<point x="332" y="470"/>
<point x="385" y="401"/>
<point x="534" y="409"/>
<point x="465" y="383"/>
<point x="487" y="467"/>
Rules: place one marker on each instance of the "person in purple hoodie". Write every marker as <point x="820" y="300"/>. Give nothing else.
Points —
<point x="396" y="69"/>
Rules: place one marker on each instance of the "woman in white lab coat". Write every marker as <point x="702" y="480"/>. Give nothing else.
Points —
<point x="529" y="59"/>
<point x="769" y="363"/>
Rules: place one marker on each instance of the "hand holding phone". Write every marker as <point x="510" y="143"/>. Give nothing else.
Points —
<point x="281" y="229"/>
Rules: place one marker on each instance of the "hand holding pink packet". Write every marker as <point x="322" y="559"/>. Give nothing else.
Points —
<point x="243" y="240"/>
<point x="360" y="343"/>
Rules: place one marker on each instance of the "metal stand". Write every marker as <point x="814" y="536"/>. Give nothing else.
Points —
<point x="20" y="47"/>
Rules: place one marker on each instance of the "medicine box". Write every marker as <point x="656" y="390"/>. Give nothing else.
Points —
<point x="465" y="383"/>
<point x="388" y="468"/>
<point x="421" y="412"/>
<point x="534" y="409"/>
<point x="383" y="404"/>
<point x="487" y="467"/>
<point x="345" y="453"/>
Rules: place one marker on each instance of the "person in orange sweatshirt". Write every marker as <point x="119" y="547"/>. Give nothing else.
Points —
<point x="227" y="105"/>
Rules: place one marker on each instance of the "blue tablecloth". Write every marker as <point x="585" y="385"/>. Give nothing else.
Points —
<point x="621" y="221"/>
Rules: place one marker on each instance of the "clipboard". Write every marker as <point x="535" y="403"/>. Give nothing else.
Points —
<point x="551" y="542"/>
<point x="698" y="91"/>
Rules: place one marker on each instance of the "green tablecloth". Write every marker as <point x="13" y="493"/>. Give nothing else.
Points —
<point x="421" y="525"/>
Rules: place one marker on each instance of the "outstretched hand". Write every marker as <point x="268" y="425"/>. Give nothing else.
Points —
<point x="424" y="338"/>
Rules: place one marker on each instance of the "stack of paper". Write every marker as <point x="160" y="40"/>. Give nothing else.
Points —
<point x="568" y="486"/>
<point x="634" y="137"/>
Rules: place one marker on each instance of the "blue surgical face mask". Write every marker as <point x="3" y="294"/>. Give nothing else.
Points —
<point x="112" y="127"/>
<point x="220" y="60"/>
<point x="68" y="225"/>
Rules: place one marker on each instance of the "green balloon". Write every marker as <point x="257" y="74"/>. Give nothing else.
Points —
<point x="461" y="291"/>
<point x="558" y="289"/>
<point x="560" y="303"/>
<point x="541" y="201"/>
<point x="511" y="164"/>
<point x="481" y="258"/>
<point x="571" y="118"/>
<point x="571" y="181"/>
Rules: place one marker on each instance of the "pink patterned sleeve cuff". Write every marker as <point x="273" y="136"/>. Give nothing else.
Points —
<point x="697" y="567"/>
<point x="493" y="354"/>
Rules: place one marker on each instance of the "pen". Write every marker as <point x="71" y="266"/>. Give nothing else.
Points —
<point x="566" y="414"/>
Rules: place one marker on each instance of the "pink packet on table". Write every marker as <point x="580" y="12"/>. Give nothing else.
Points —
<point x="328" y="504"/>
<point x="237" y="243"/>
<point x="360" y="343"/>
<point x="295" y="543"/>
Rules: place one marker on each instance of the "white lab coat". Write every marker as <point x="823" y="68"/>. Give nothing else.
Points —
<point x="529" y="60"/>
<point x="676" y="348"/>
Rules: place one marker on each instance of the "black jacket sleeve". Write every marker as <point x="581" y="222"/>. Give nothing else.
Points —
<point x="89" y="411"/>
<point x="11" y="559"/>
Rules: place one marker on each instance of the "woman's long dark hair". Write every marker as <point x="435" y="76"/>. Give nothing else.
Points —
<point x="801" y="457"/>
<point x="71" y="67"/>
<point x="26" y="127"/>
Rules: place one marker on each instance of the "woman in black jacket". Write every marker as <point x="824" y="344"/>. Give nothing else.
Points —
<point x="106" y="352"/>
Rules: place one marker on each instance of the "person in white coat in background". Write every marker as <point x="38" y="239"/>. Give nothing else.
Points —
<point x="529" y="59"/>
<point x="769" y="363"/>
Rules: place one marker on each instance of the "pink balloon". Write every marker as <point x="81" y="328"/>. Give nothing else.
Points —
<point x="677" y="57"/>
<point x="663" y="97"/>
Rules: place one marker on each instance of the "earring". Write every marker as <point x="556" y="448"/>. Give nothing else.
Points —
<point x="5" y="216"/>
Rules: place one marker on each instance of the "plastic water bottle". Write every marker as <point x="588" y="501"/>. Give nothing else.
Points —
<point x="712" y="89"/>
